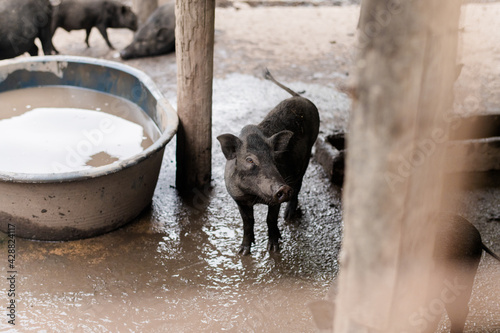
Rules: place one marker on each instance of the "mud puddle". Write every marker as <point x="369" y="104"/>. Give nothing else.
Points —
<point x="176" y="269"/>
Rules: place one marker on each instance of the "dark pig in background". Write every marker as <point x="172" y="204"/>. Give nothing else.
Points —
<point x="76" y="15"/>
<point x="21" y="22"/>
<point x="457" y="254"/>
<point x="156" y="36"/>
<point x="266" y="163"/>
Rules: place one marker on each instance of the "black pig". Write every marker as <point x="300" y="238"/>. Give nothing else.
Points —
<point x="155" y="37"/>
<point x="76" y="15"/>
<point x="457" y="254"/>
<point x="22" y="21"/>
<point x="267" y="162"/>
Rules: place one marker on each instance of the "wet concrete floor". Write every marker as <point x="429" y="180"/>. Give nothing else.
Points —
<point x="176" y="268"/>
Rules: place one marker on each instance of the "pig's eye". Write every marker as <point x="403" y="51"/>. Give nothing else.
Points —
<point x="250" y="160"/>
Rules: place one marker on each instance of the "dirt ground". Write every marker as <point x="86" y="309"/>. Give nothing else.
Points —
<point x="175" y="268"/>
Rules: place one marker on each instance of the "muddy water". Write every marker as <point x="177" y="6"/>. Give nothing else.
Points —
<point x="63" y="129"/>
<point x="176" y="270"/>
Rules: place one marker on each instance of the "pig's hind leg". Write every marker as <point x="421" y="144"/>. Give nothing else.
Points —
<point x="291" y="208"/>
<point x="104" y="33"/>
<point x="461" y="287"/>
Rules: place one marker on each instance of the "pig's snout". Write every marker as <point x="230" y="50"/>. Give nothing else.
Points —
<point x="125" y="54"/>
<point x="283" y="194"/>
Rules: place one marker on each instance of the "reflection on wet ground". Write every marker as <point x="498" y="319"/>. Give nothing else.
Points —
<point x="176" y="269"/>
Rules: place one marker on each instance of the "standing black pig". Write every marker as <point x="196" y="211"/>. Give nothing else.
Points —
<point x="267" y="162"/>
<point x="76" y="15"/>
<point x="156" y="36"/>
<point x="21" y="22"/>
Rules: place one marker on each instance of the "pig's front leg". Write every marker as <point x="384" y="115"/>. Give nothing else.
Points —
<point x="272" y="229"/>
<point x="248" y="223"/>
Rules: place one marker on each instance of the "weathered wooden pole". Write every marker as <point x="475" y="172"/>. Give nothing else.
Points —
<point x="194" y="44"/>
<point x="405" y="72"/>
<point x="144" y="8"/>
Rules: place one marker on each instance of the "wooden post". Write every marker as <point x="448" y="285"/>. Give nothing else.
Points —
<point x="194" y="43"/>
<point x="144" y="8"/>
<point x="405" y="72"/>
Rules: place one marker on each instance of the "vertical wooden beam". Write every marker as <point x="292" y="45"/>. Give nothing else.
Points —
<point x="405" y="73"/>
<point x="144" y="8"/>
<point x="194" y="44"/>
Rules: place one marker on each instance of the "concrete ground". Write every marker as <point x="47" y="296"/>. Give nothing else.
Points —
<point x="175" y="268"/>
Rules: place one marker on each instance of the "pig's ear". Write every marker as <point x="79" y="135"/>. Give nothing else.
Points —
<point x="279" y="141"/>
<point x="229" y="144"/>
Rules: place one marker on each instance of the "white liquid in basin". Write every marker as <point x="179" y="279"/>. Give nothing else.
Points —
<point x="65" y="129"/>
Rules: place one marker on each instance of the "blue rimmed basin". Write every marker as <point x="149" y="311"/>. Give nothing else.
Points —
<point x="86" y="203"/>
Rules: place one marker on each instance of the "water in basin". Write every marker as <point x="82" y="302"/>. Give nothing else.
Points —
<point x="56" y="129"/>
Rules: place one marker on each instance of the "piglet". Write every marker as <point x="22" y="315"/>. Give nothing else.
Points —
<point x="266" y="163"/>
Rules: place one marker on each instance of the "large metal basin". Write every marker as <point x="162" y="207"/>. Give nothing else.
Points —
<point x="73" y="205"/>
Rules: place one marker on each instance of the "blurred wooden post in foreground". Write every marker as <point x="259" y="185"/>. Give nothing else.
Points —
<point x="194" y="47"/>
<point x="405" y="72"/>
<point x="144" y="8"/>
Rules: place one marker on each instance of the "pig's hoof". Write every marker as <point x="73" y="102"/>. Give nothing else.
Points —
<point x="292" y="217"/>
<point x="273" y="247"/>
<point x="244" y="250"/>
<point x="291" y="210"/>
